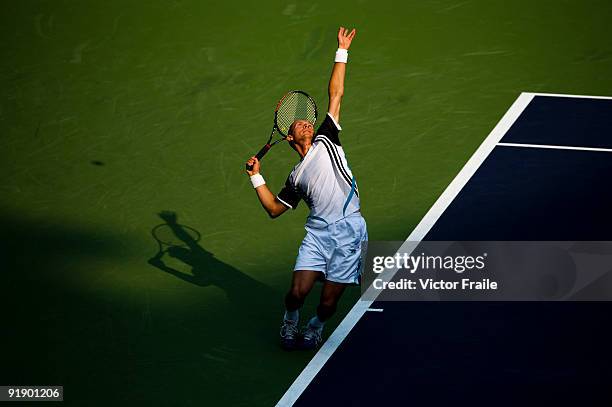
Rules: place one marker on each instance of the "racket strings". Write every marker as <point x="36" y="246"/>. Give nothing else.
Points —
<point x="295" y="106"/>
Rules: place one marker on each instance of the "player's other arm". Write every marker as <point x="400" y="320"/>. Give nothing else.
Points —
<point x="268" y="200"/>
<point x="336" y="82"/>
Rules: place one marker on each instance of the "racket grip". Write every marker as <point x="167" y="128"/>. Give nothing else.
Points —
<point x="260" y="155"/>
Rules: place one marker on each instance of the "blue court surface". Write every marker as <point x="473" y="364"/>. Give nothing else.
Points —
<point x="544" y="173"/>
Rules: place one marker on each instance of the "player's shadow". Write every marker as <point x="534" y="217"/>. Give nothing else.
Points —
<point x="206" y="269"/>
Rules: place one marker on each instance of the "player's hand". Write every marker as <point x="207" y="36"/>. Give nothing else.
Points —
<point x="255" y="163"/>
<point x="345" y="37"/>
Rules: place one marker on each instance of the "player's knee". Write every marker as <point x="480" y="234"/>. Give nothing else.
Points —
<point x="299" y="291"/>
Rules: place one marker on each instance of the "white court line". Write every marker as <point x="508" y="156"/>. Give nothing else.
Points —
<point x="419" y="232"/>
<point x="549" y="146"/>
<point x="375" y="310"/>
<point x="561" y="95"/>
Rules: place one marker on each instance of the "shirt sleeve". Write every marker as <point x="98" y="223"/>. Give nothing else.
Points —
<point x="288" y="196"/>
<point x="330" y="129"/>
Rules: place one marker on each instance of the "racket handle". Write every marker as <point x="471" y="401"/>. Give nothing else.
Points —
<point x="260" y="155"/>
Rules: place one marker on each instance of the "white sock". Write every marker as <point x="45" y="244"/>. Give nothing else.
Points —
<point x="316" y="323"/>
<point x="292" y="315"/>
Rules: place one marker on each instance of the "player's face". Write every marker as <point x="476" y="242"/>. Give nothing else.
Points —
<point x="302" y="130"/>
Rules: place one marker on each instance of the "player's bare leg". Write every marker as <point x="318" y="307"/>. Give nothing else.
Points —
<point x="302" y="283"/>
<point x="327" y="307"/>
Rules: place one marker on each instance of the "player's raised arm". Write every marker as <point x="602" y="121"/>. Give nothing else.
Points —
<point x="336" y="83"/>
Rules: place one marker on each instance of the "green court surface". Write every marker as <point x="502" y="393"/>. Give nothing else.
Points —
<point x="112" y="112"/>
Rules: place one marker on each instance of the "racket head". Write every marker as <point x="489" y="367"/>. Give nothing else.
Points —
<point x="295" y="105"/>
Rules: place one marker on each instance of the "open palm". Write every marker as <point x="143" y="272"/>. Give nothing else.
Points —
<point x="345" y="37"/>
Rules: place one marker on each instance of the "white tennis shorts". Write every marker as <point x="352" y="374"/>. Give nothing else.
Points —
<point x="334" y="249"/>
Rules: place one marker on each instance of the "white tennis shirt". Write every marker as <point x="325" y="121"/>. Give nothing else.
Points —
<point x="323" y="178"/>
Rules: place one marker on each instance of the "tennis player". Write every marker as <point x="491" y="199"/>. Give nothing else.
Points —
<point x="335" y="229"/>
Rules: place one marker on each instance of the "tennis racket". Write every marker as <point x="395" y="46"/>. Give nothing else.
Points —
<point x="295" y="105"/>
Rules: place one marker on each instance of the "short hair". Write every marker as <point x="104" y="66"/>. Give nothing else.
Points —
<point x="292" y="127"/>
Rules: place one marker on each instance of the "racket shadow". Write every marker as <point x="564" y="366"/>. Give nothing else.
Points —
<point x="206" y="269"/>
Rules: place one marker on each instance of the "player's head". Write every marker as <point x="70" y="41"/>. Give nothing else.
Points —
<point x="300" y="132"/>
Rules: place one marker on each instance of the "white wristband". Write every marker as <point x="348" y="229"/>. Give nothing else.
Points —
<point x="257" y="180"/>
<point x="342" y="55"/>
